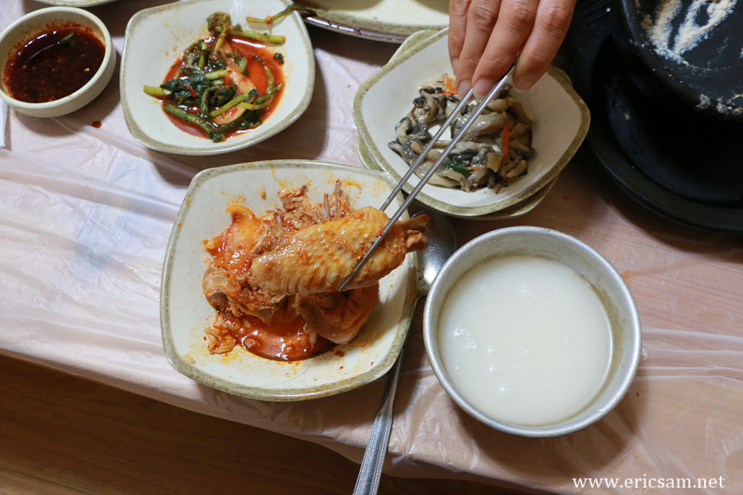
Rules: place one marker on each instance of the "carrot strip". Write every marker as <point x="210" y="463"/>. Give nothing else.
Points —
<point x="449" y="86"/>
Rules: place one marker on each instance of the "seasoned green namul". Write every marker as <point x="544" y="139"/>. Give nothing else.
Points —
<point x="202" y="89"/>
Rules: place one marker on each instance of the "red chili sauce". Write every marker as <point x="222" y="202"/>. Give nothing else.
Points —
<point x="247" y="49"/>
<point x="54" y="64"/>
<point x="283" y="339"/>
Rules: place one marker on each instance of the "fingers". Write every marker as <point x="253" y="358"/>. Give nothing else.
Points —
<point x="550" y="27"/>
<point x="457" y="28"/>
<point x="486" y="35"/>
<point x="515" y="21"/>
<point x="478" y="26"/>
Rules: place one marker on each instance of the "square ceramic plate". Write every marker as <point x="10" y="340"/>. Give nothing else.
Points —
<point x="560" y="125"/>
<point x="155" y="39"/>
<point x="513" y="211"/>
<point x="185" y="312"/>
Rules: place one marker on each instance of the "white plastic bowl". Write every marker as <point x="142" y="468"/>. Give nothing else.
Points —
<point x="31" y="25"/>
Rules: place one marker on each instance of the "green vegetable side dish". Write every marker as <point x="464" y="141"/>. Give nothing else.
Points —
<point x="225" y="84"/>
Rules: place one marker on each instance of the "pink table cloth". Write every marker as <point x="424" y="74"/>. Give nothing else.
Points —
<point x="85" y="215"/>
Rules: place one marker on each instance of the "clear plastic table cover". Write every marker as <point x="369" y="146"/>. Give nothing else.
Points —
<point x="85" y="215"/>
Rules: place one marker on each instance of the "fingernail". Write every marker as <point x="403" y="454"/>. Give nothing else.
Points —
<point x="524" y="82"/>
<point x="464" y="87"/>
<point x="483" y="86"/>
<point x="454" y="64"/>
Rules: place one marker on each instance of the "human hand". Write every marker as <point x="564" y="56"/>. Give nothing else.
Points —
<point x="486" y="35"/>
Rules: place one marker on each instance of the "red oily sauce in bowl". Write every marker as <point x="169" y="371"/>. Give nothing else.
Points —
<point x="54" y="64"/>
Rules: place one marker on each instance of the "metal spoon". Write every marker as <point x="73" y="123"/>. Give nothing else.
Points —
<point x="441" y="245"/>
<point x="67" y="39"/>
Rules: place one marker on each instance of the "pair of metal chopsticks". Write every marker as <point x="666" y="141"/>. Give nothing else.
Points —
<point x="444" y="156"/>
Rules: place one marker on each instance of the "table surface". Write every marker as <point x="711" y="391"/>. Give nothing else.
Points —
<point x="85" y="216"/>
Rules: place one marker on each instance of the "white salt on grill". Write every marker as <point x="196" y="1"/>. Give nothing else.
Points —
<point x="690" y="33"/>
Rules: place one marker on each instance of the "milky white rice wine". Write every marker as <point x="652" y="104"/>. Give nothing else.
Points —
<point x="525" y="339"/>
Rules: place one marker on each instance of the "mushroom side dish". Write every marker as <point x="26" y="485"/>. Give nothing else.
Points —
<point x="492" y="153"/>
<point x="274" y="279"/>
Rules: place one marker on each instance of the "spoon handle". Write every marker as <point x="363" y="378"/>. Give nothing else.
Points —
<point x="367" y="482"/>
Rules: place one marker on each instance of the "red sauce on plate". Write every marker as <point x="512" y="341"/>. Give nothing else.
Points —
<point x="54" y="64"/>
<point x="247" y="49"/>
<point x="283" y="339"/>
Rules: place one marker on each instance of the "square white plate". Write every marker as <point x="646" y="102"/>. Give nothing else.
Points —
<point x="561" y="121"/>
<point x="156" y="38"/>
<point x="185" y="312"/>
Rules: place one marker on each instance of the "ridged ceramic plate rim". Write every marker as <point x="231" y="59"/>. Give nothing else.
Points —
<point x="183" y="342"/>
<point x="518" y="193"/>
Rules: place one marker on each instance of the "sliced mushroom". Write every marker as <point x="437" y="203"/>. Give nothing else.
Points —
<point x="451" y="104"/>
<point x="395" y="146"/>
<point x="499" y="105"/>
<point x="519" y="129"/>
<point x="426" y="107"/>
<point x="478" y="177"/>
<point x="464" y="146"/>
<point x="489" y="158"/>
<point x="420" y="132"/>
<point x="451" y="174"/>
<point x="464" y="155"/>
<point x="435" y="179"/>
<point x="515" y="107"/>
<point x="494" y="161"/>
<point x="416" y="146"/>
<point x="408" y="152"/>
<point x="517" y="170"/>
<point x="520" y="148"/>
<point x="492" y="179"/>
<point x="465" y="184"/>
<point x="404" y="150"/>
<point x="433" y="155"/>
<point x="402" y="129"/>
<point x="484" y="124"/>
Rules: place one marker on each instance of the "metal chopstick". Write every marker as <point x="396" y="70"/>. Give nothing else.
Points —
<point x="443" y="157"/>
<point x="422" y="157"/>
